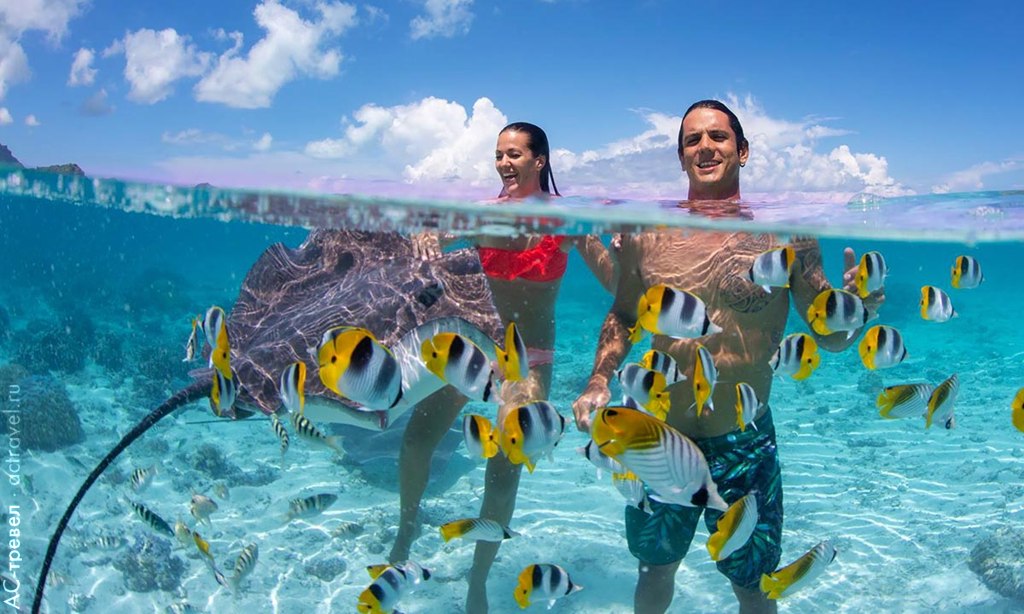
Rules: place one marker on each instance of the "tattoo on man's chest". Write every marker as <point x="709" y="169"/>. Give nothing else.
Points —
<point x="742" y="295"/>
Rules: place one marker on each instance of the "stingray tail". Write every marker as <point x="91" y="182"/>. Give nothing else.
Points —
<point x="193" y="392"/>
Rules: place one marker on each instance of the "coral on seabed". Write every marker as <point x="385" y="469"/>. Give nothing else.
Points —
<point x="47" y="419"/>
<point x="326" y="569"/>
<point x="149" y="565"/>
<point x="999" y="561"/>
<point x="61" y="344"/>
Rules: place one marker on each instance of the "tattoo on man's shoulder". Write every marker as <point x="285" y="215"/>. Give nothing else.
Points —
<point x="810" y="263"/>
<point x="744" y="296"/>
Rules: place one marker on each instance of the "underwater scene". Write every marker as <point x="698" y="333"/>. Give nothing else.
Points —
<point x="263" y="354"/>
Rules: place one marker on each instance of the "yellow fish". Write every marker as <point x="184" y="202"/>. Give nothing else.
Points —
<point x="772" y="268"/>
<point x="513" y="359"/>
<point x="870" y="274"/>
<point x="942" y="402"/>
<point x="354" y="365"/>
<point x="747" y="405"/>
<point x="882" y="347"/>
<point x="216" y="328"/>
<point x="835" y="311"/>
<point x="223" y="394"/>
<point x="664" y="310"/>
<point x="481" y="438"/>
<point x="704" y="377"/>
<point x="461" y="363"/>
<point x="476" y="529"/>
<point x="531" y="431"/>
<point x="1017" y="410"/>
<point x="966" y="273"/>
<point x="389" y="586"/>
<point x="292" y="387"/>
<point x="796" y="356"/>
<point x="784" y="582"/>
<point x="664" y="364"/>
<point x="543" y="581"/>
<point x="671" y="465"/>
<point x="734" y="528"/>
<point x="936" y="306"/>
<point x="646" y="387"/>
<point x="904" y="400"/>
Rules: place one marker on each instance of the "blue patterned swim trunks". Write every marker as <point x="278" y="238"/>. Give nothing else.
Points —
<point x="740" y="462"/>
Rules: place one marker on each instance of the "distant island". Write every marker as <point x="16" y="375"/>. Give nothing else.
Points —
<point x="7" y="159"/>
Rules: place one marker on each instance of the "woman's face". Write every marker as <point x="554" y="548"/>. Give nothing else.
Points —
<point x="518" y="168"/>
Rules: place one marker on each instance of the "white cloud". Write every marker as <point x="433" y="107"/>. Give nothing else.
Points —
<point x="155" y="60"/>
<point x="13" y="65"/>
<point x="444" y="18"/>
<point x="82" y="72"/>
<point x="32" y="121"/>
<point x="16" y="18"/>
<point x="264" y="142"/>
<point x="290" y="48"/>
<point x="192" y="136"/>
<point x="973" y="178"/>
<point x="5" y="117"/>
<point x="432" y="139"/>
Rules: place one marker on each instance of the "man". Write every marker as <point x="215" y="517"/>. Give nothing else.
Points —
<point x="712" y="265"/>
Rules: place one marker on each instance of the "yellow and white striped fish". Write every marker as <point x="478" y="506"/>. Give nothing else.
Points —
<point x="307" y="430"/>
<point x="797" y="356"/>
<point x="530" y="432"/>
<point x="354" y="365"/>
<point x="223" y="394"/>
<point x="772" y="268"/>
<point x="882" y="347"/>
<point x="870" y="273"/>
<point x="599" y="459"/>
<point x="632" y="489"/>
<point x="476" y="529"/>
<point x="784" y="582"/>
<point x="664" y="310"/>
<point x="460" y="362"/>
<point x="215" y="327"/>
<point x="543" y="581"/>
<point x="734" y="528"/>
<point x="664" y="364"/>
<point x="671" y="465"/>
<point x="747" y="405"/>
<point x="942" y="402"/>
<point x="705" y="376"/>
<point x="481" y="437"/>
<point x="904" y="400"/>
<point x="646" y="387"/>
<point x="292" y="387"/>
<point x="513" y="360"/>
<point x="1017" y="410"/>
<point x="966" y="273"/>
<point x="835" y="311"/>
<point x="390" y="584"/>
<point x="936" y="306"/>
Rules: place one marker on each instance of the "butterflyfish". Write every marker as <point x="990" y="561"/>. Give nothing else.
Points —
<point x="543" y="582"/>
<point x="664" y="310"/>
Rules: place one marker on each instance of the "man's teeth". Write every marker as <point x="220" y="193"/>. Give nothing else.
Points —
<point x="707" y="164"/>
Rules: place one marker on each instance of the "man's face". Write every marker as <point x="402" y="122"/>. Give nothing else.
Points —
<point x="710" y="156"/>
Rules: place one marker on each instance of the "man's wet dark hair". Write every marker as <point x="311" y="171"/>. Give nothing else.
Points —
<point x="538" y="144"/>
<point x="734" y="122"/>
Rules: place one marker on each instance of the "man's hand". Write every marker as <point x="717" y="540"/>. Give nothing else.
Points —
<point x="593" y="398"/>
<point x="850" y="265"/>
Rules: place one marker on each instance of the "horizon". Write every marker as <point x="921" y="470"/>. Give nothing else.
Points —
<point x="338" y="97"/>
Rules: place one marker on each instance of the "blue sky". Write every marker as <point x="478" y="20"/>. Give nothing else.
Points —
<point x="330" y="96"/>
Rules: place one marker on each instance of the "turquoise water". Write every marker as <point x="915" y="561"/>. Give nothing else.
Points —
<point x="98" y="282"/>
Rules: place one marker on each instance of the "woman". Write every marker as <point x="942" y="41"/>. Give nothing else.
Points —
<point x="524" y="274"/>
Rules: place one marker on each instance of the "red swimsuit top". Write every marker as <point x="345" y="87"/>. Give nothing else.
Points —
<point x="543" y="262"/>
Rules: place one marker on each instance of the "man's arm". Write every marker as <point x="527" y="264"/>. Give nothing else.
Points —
<point x="613" y="343"/>
<point x="808" y="280"/>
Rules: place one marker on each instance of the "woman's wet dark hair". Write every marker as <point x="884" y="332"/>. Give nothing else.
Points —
<point x="734" y="122"/>
<point x="538" y="144"/>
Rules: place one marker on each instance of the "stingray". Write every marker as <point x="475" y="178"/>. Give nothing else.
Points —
<point x="291" y="296"/>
